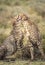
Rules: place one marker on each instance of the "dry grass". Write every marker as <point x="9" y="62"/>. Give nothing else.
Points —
<point x="34" y="9"/>
<point x="22" y="62"/>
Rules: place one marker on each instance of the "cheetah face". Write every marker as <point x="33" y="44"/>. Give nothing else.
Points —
<point x="20" y="17"/>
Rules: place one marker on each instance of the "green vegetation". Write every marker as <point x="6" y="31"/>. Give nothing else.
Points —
<point x="35" y="9"/>
<point x="22" y="62"/>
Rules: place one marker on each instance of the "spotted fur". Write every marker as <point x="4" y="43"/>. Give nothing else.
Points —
<point x="23" y="28"/>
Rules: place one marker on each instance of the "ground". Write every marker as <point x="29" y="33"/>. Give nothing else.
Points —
<point x="22" y="62"/>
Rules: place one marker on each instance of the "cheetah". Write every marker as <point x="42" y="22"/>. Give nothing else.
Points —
<point x="8" y="47"/>
<point x="23" y="28"/>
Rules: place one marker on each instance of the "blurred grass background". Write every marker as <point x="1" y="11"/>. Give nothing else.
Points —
<point x="35" y="9"/>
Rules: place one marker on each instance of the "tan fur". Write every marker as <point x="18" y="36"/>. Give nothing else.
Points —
<point x="24" y="28"/>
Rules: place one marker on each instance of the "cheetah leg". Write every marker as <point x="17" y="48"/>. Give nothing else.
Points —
<point x="20" y="44"/>
<point x="32" y="52"/>
<point x="40" y="49"/>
